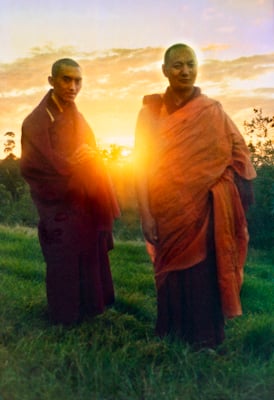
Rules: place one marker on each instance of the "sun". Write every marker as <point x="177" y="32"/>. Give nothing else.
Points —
<point x="126" y="152"/>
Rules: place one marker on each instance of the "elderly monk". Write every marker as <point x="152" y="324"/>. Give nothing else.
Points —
<point x="74" y="199"/>
<point x="193" y="185"/>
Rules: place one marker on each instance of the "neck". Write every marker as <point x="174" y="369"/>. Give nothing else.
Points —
<point x="182" y="96"/>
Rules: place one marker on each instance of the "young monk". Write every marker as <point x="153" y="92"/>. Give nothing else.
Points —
<point x="193" y="184"/>
<point x="74" y="199"/>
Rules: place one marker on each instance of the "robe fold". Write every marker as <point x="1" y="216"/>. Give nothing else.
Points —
<point x="197" y="152"/>
<point x="76" y="206"/>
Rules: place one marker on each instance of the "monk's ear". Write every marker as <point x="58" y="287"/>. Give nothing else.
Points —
<point x="51" y="80"/>
<point x="164" y="69"/>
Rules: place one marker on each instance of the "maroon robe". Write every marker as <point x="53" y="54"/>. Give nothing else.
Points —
<point x="76" y="207"/>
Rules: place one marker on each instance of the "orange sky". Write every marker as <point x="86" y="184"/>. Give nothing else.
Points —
<point x="120" y="47"/>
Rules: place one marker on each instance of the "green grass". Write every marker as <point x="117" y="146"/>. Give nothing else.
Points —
<point x="116" y="356"/>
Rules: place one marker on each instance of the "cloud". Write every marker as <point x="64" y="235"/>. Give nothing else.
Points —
<point x="115" y="80"/>
<point x="215" y="47"/>
<point x="212" y="13"/>
<point x="244" y="68"/>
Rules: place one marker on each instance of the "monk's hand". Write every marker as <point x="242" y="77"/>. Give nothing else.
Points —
<point x="149" y="228"/>
<point x="82" y="154"/>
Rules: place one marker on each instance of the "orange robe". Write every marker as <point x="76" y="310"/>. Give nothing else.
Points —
<point x="196" y="151"/>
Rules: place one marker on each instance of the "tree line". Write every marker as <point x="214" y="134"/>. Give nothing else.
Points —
<point x="16" y="207"/>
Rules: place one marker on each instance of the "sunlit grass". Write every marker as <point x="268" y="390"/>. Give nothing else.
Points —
<point x="116" y="356"/>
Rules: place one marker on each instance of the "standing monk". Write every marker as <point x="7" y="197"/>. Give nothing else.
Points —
<point x="194" y="186"/>
<point x="74" y="199"/>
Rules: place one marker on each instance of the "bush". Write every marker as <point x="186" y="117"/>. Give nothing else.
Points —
<point x="17" y="212"/>
<point x="261" y="214"/>
<point x="5" y="202"/>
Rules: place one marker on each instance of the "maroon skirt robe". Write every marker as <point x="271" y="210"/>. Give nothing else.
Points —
<point x="76" y="210"/>
<point x="189" y="303"/>
<point x="78" y="275"/>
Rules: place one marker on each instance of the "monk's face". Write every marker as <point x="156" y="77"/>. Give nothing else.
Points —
<point x="67" y="83"/>
<point x="181" y="69"/>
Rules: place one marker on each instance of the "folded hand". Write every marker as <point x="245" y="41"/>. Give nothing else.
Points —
<point x="149" y="227"/>
<point x="82" y="154"/>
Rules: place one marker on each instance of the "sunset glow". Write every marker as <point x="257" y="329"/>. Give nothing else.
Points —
<point x="120" y="48"/>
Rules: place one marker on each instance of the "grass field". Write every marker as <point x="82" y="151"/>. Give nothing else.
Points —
<point x="116" y="356"/>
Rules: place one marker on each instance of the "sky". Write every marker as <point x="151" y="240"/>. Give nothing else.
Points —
<point x="120" y="46"/>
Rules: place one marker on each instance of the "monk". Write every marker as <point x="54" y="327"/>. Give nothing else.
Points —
<point x="74" y="198"/>
<point x="194" y="185"/>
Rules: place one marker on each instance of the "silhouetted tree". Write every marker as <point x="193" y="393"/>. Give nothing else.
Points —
<point x="9" y="144"/>
<point x="261" y="215"/>
<point x="259" y="130"/>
